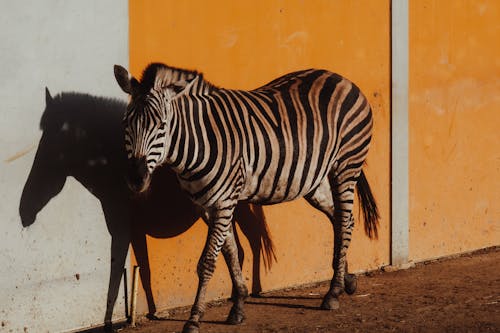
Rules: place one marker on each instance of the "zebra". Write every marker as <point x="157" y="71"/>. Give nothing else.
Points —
<point x="305" y="134"/>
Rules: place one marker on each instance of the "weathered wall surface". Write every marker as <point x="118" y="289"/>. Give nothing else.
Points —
<point x="454" y="127"/>
<point x="54" y="274"/>
<point x="245" y="45"/>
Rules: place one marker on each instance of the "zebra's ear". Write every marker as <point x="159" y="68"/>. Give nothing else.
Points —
<point x="127" y="84"/>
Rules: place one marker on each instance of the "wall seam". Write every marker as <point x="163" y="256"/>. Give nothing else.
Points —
<point x="399" y="132"/>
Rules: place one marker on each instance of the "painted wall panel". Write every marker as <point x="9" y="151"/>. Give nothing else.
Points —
<point x="454" y="119"/>
<point x="53" y="275"/>
<point x="245" y="45"/>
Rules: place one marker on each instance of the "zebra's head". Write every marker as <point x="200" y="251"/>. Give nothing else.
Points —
<point x="148" y="118"/>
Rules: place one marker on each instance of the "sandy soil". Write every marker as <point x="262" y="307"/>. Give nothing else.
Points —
<point x="449" y="295"/>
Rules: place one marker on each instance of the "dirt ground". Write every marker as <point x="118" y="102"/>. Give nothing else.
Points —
<point x="448" y="295"/>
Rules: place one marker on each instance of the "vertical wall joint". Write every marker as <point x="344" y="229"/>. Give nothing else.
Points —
<point x="399" y="132"/>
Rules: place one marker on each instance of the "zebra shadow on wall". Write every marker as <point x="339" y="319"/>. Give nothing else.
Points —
<point x="83" y="138"/>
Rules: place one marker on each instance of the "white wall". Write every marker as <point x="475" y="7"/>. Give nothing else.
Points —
<point x="66" y="46"/>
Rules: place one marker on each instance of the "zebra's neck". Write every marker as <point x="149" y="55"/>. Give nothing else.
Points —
<point x="189" y="139"/>
<point x="203" y="135"/>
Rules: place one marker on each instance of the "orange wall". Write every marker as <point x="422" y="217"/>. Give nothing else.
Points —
<point x="454" y="126"/>
<point x="243" y="45"/>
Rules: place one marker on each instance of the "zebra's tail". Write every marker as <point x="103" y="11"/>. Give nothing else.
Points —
<point x="267" y="245"/>
<point x="369" y="206"/>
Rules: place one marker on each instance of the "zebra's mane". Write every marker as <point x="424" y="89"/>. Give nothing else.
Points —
<point x="168" y="74"/>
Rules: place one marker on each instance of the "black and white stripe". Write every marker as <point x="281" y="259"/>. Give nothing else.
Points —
<point x="305" y="134"/>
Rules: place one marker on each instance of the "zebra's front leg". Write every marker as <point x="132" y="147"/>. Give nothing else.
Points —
<point x="218" y="229"/>
<point x="343" y="224"/>
<point x="240" y="290"/>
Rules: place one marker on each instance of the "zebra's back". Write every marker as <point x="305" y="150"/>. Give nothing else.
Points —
<point x="295" y="129"/>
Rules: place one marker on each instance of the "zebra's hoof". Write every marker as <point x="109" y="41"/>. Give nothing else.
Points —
<point x="191" y="327"/>
<point x="330" y="303"/>
<point x="351" y="283"/>
<point x="235" y="316"/>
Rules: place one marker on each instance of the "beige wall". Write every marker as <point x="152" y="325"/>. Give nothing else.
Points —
<point x="53" y="274"/>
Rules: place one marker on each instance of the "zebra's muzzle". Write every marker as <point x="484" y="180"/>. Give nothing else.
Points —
<point x="138" y="177"/>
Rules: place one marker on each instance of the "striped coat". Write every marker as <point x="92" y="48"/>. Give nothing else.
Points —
<point x="305" y="134"/>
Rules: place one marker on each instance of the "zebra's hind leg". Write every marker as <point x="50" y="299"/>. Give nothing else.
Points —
<point x="240" y="290"/>
<point x="350" y="280"/>
<point x="343" y="197"/>
<point x="322" y="199"/>
<point x="336" y="203"/>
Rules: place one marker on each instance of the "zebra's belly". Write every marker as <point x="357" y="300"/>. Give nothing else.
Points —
<point x="270" y="191"/>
